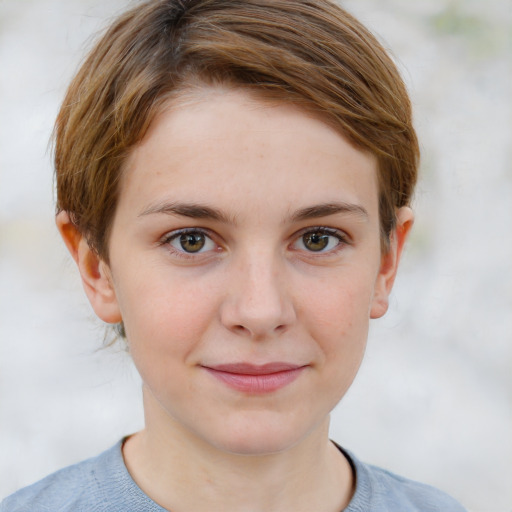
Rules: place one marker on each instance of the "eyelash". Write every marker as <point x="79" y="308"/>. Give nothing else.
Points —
<point x="343" y="240"/>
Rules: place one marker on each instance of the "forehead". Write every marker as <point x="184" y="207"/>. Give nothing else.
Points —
<point x="225" y="145"/>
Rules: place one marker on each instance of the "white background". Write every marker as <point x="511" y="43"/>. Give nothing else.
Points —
<point x="433" y="398"/>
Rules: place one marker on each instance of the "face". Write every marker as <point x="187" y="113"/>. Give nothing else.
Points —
<point x="245" y="263"/>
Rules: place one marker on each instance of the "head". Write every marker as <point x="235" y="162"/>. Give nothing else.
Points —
<point x="233" y="179"/>
<point x="310" y="54"/>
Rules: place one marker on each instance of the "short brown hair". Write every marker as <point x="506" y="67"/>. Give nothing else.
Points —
<point x="308" y="52"/>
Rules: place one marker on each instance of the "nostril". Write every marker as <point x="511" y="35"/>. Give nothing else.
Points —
<point x="243" y="330"/>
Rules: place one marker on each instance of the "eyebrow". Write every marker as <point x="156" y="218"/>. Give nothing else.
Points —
<point x="197" y="211"/>
<point x="191" y="210"/>
<point x="326" y="209"/>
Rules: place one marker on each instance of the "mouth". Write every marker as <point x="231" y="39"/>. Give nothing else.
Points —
<point x="256" y="379"/>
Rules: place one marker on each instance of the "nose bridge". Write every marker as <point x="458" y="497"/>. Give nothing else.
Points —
<point x="258" y="303"/>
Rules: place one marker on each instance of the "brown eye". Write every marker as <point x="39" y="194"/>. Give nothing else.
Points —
<point x="315" y="241"/>
<point x="192" y="242"/>
<point x="320" y="240"/>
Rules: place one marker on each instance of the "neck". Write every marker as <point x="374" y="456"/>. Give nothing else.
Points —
<point x="182" y="472"/>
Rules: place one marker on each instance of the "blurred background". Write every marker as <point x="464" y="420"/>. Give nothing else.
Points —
<point x="433" y="400"/>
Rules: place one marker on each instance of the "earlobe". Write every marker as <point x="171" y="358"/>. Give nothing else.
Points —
<point x="390" y="261"/>
<point x="95" y="273"/>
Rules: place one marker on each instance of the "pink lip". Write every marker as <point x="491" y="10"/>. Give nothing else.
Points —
<point x="258" y="379"/>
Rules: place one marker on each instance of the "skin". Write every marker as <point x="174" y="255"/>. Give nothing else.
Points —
<point x="259" y="290"/>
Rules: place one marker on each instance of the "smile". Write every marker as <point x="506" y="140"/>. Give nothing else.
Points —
<point x="256" y="379"/>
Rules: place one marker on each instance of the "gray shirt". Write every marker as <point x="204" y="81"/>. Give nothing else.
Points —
<point x="103" y="484"/>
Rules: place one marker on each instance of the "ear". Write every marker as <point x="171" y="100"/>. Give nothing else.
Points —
<point x="389" y="262"/>
<point x="95" y="273"/>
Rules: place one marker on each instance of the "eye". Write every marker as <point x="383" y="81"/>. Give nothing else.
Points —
<point x="320" y="240"/>
<point x="190" y="241"/>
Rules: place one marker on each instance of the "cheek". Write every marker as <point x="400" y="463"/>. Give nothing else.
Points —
<point x="339" y="325"/>
<point x="165" y="317"/>
<point x="337" y="314"/>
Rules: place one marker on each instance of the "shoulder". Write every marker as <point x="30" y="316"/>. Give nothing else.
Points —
<point x="99" y="484"/>
<point x="63" y="490"/>
<point x="379" y="490"/>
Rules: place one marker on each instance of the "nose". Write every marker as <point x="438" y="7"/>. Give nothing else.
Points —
<point x="258" y="304"/>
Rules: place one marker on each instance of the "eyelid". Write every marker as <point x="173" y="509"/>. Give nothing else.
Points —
<point x="341" y="234"/>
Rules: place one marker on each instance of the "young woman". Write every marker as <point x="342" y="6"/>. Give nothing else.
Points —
<point x="234" y="180"/>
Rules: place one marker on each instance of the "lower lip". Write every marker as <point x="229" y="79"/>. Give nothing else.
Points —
<point x="257" y="384"/>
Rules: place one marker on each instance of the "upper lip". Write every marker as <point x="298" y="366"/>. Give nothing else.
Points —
<point x="254" y="369"/>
